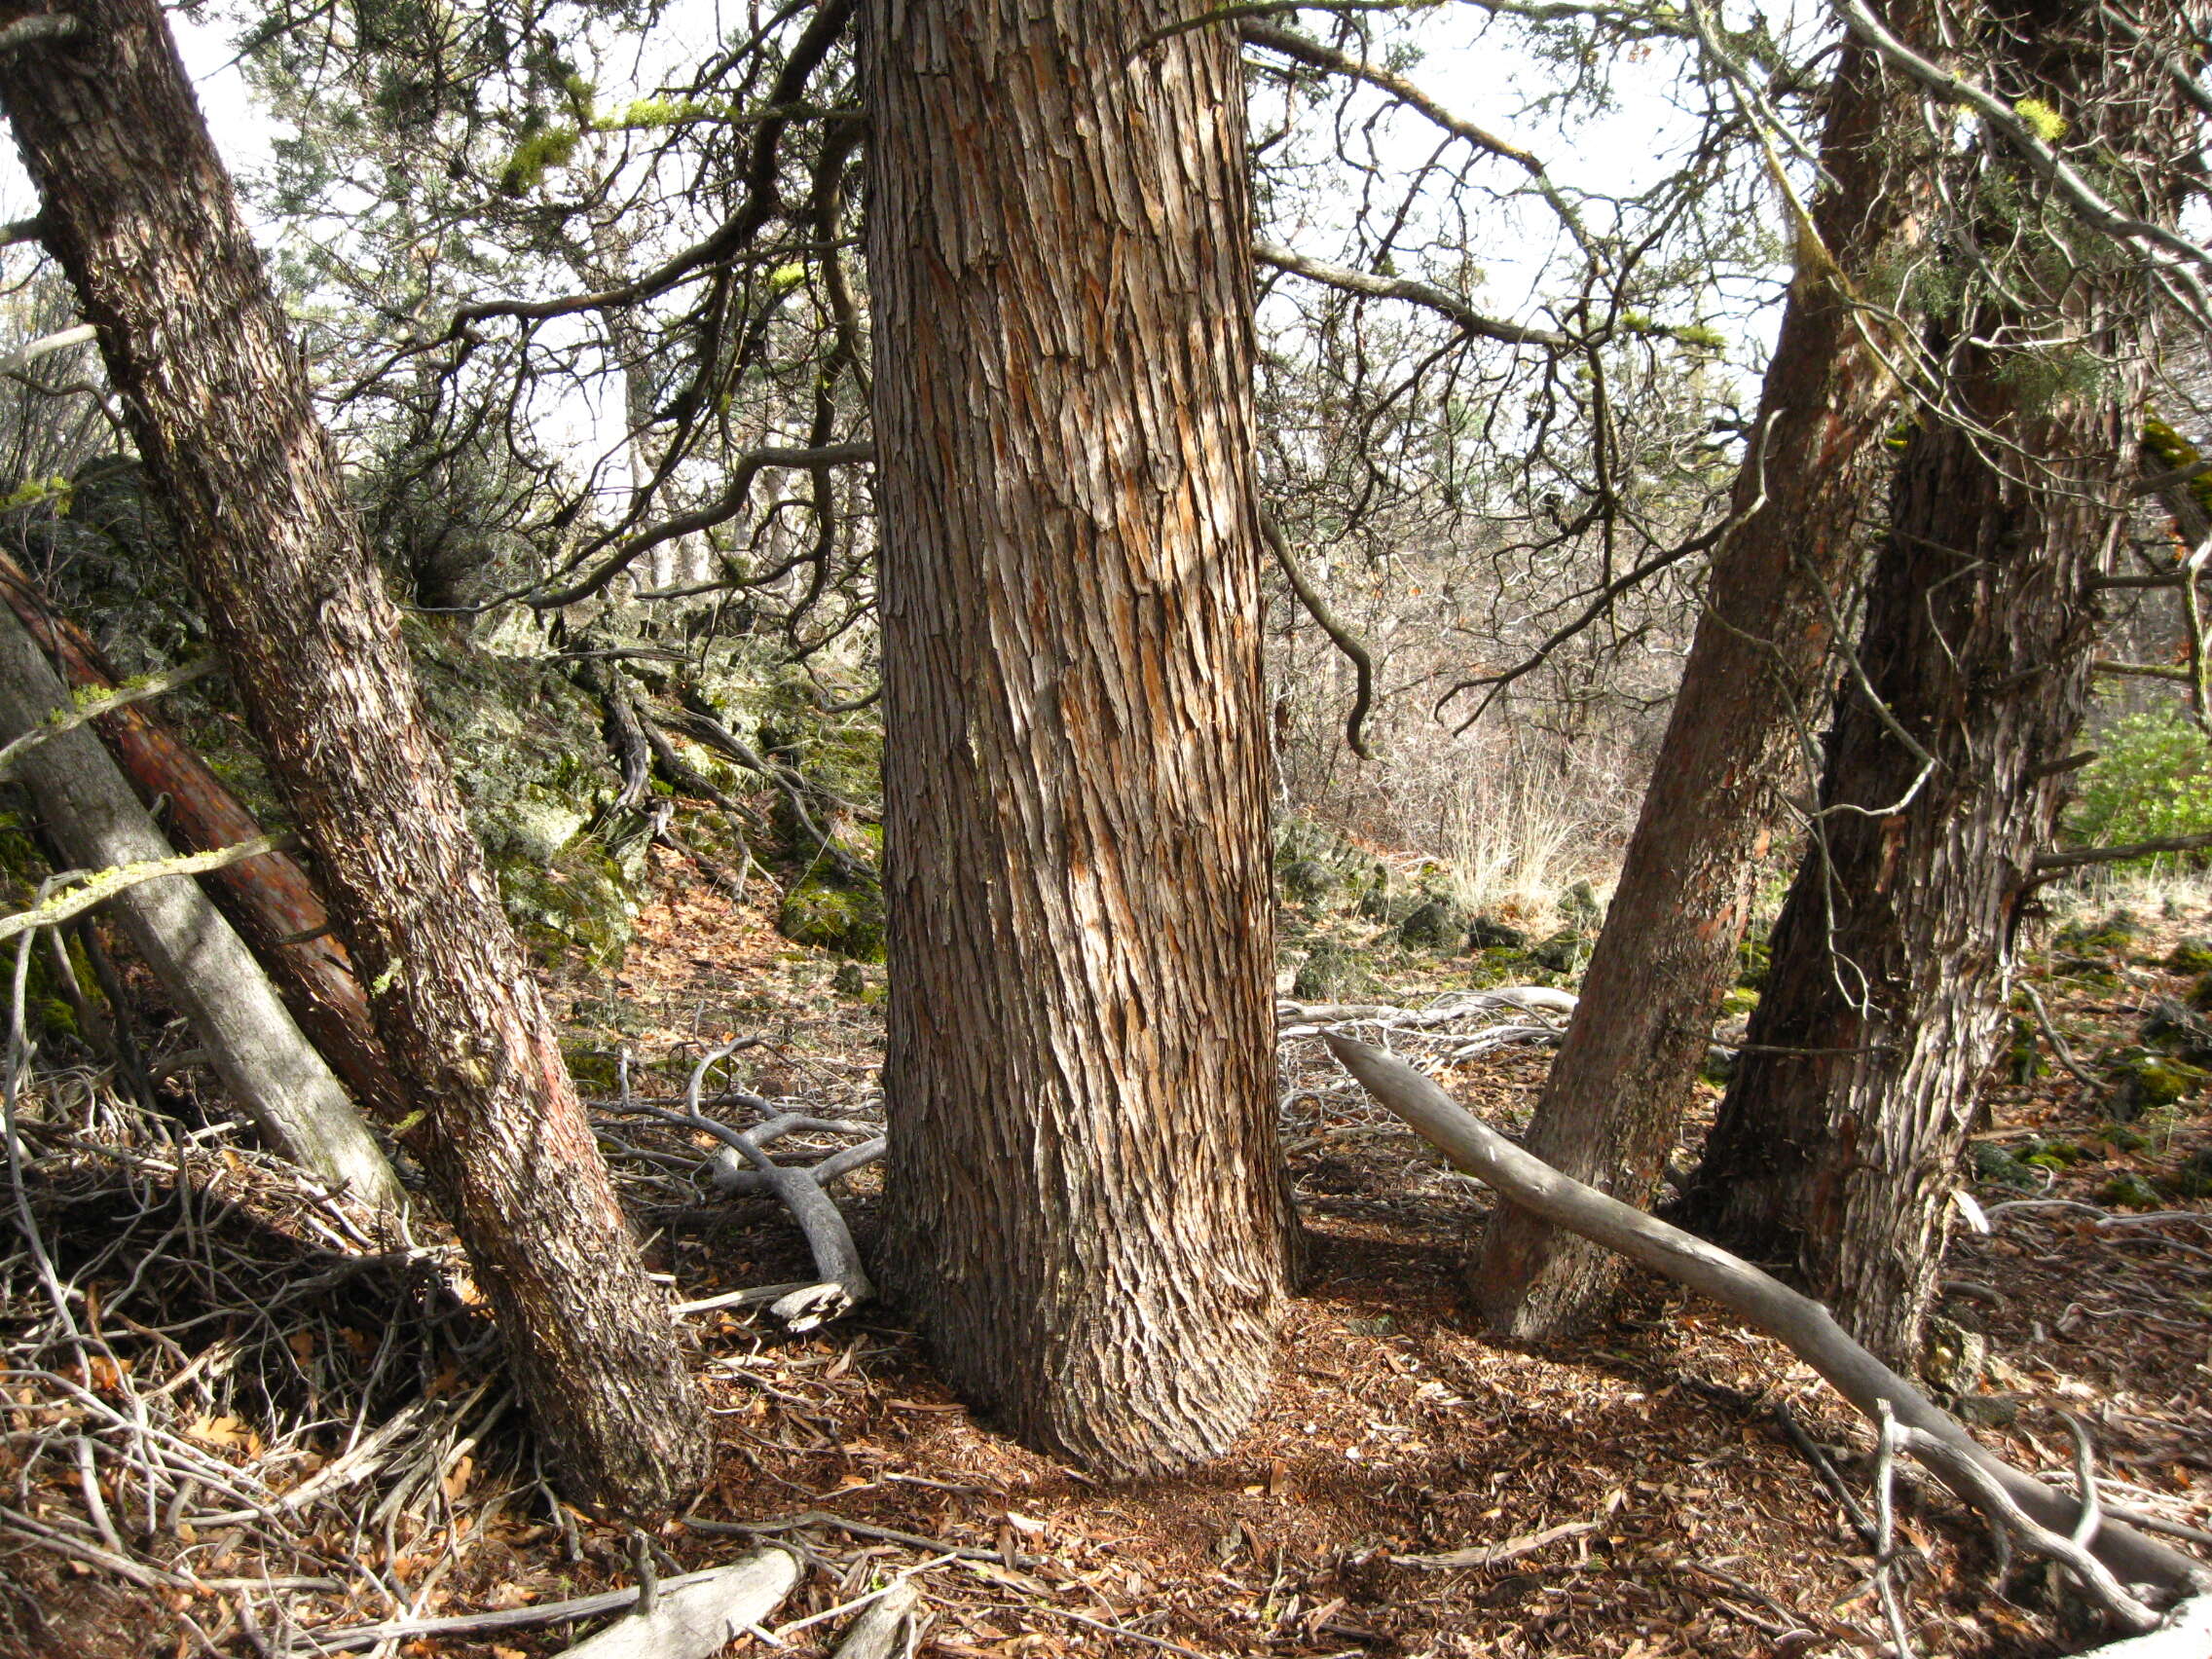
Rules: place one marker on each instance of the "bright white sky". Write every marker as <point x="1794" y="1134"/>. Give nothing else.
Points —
<point x="1617" y="152"/>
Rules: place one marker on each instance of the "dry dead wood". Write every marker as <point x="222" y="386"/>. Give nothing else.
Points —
<point x="844" y="1284"/>
<point x="2144" y="1568"/>
<point x="89" y="812"/>
<point x="270" y="899"/>
<point x="700" y="1615"/>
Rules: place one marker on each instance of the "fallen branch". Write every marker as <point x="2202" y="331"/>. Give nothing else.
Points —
<point x="1802" y="1324"/>
<point x="2049" y="864"/>
<point x="100" y="885"/>
<point x="1490" y="1555"/>
<point x="1310" y="1020"/>
<point x="844" y="1283"/>
<point x="693" y="1619"/>
<point x="93" y="708"/>
<point x="877" y="1631"/>
<point x="527" y="1618"/>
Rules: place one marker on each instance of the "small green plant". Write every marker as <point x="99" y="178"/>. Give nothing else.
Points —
<point x="2152" y="778"/>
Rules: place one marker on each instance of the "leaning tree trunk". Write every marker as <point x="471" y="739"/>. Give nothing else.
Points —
<point x="135" y="205"/>
<point x="1886" y="994"/>
<point x="267" y="1066"/>
<point x="269" y="899"/>
<point x="1781" y="574"/>
<point x="1083" y="1209"/>
<point x="1839" y="1141"/>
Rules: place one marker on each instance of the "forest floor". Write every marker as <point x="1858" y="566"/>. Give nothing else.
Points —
<point x="281" y="1435"/>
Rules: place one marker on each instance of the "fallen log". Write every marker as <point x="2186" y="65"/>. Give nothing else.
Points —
<point x="2148" y="1568"/>
<point x="270" y="899"/>
<point x="95" y="822"/>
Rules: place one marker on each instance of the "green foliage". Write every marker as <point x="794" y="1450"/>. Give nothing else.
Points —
<point x="651" y="115"/>
<point x="2152" y="777"/>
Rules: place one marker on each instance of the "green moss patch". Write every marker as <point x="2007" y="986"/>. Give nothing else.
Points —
<point x="846" y="919"/>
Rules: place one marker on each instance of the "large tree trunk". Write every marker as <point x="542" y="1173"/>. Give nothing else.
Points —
<point x="1614" y="1101"/>
<point x="1083" y="1209"/>
<point x="138" y="209"/>
<point x="1839" y="1139"/>
<point x="270" y="899"/>
<point x="95" y="821"/>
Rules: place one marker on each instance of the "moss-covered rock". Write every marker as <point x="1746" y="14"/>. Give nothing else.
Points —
<point x="535" y="777"/>
<point x="2147" y="1081"/>
<point x="1437" y="924"/>
<point x="1487" y="932"/>
<point x="2174" y="1029"/>
<point x="1995" y="1165"/>
<point x="829" y="914"/>
<point x="1565" y="952"/>
<point x="2128" y="1190"/>
<point x="1333" y="972"/>
<point x="1580" y="906"/>
<point x="1307" y="881"/>
<point x="1952" y="1357"/>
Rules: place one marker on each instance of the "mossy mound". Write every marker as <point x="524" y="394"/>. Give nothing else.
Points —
<point x="833" y="915"/>
<point x="2147" y="1080"/>
<point x="2190" y="956"/>
<point x="1333" y="972"/>
<point x="2129" y="1191"/>
<point x="1565" y="952"/>
<point x="1436" y="924"/>
<point x="2113" y="936"/>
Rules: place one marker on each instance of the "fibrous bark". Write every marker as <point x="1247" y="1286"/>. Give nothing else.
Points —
<point x="267" y="1066"/>
<point x="1613" y="1104"/>
<point x="138" y="211"/>
<point x="1838" y="1143"/>
<point x="1084" y="1208"/>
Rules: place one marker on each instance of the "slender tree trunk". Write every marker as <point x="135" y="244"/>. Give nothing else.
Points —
<point x="269" y="900"/>
<point x="1083" y="1209"/>
<point x="1614" y="1102"/>
<point x="138" y="210"/>
<point x="1839" y="1139"/>
<point x="1886" y="996"/>
<point x="267" y="1066"/>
